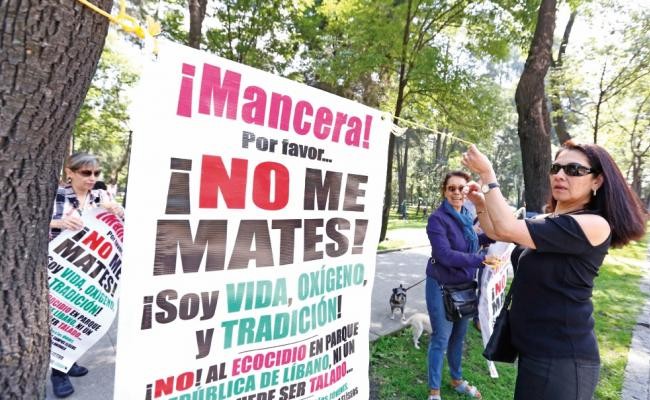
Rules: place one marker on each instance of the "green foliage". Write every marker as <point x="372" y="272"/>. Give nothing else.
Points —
<point x="173" y="26"/>
<point x="439" y="52"/>
<point x="102" y="127"/>
<point x="254" y="32"/>
<point x="605" y="81"/>
<point x="506" y="160"/>
<point x="429" y="67"/>
<point x="617" y="303"/>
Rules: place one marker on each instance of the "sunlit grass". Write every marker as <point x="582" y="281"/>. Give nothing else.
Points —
<point x="395" y="220"/>
<point x="617" y="303"/>
<point x="400" y="369"/>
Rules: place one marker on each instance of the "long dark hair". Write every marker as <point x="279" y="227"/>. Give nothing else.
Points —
<point x="460" y="174"/>
<point x="614" y="200"/>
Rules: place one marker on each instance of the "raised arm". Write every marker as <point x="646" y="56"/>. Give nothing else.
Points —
<point x="499" y="220"/>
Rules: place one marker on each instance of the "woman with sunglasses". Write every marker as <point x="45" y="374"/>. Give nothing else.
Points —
<point x="72" y="199"/>
<point x="454" y="260"/>
<point x="557" y="259"/>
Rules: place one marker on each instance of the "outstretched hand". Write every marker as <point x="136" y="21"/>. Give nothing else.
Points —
<point x="476" y="161"/>
<point x="492" y="261"/>
<point x="71" y="222"/>
<point x="113" y="207"/>
<point x="475" y="195"/>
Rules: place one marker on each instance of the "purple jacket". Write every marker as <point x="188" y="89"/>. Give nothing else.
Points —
<point x="450" y="262"/>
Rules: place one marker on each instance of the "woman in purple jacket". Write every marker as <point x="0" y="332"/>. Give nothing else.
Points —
<point x="454" y="260"/>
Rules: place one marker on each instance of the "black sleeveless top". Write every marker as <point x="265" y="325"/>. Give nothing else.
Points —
<point x="551" y="310"/>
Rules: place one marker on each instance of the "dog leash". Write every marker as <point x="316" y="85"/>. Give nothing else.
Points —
<point x="415" y="284"/>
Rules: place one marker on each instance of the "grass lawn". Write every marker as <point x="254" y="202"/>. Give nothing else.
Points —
<point x="400" y="371"/>
<point x="394" y="222"/>
<point x="412" y="221"/>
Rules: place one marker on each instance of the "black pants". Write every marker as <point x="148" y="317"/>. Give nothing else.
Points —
<point x="556" y="379"/>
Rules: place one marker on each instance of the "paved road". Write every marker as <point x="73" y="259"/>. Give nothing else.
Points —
<point x="636" y="385"/>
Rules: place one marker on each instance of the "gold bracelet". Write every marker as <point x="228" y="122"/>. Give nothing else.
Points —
<point x="480" y="212"/>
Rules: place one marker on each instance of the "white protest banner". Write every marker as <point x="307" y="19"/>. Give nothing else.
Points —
<point x="493" y="292"/>
<point x="84" y="270"/>
<point x="254" y="214"/>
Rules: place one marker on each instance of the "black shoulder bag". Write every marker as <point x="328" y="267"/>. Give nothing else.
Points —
<point x="460" y="300"/>
<point x="499" y="347"/>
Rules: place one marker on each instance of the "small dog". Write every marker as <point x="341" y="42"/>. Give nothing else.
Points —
<point x="419" y="322"/>
<point x="397" y="301"/>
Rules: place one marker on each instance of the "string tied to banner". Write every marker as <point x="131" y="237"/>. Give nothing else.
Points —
<point x="401" y="130"/>
<point x="128" y="23"/>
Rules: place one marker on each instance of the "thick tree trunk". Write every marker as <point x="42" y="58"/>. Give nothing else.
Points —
<point x="197" y="14"/>
<point x="48" y="55"/>
<point x="534" y="121"/>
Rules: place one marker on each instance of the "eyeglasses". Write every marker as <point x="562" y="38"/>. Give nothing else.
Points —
<point x="571" y="169"/>
<point x="452" y="188"/>
<point x="86" y="173"/>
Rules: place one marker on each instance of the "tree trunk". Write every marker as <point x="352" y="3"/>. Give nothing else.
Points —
<point x="534" y="121"/>
<point x="556" y="99"/>
<point x="388" y="192"/>
<point x="403" y="170"/>
<point x="48" y="54"/>
<point x="197" y="14"/>
<point x="125" y="158"/>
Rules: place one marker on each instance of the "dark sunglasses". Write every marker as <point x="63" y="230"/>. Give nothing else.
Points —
<point x="452" y="188"/>
<point x="86" y="173"/>
<point x="571" y="169"/>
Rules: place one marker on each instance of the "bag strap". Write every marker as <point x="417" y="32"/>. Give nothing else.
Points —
<point x="508" y="299"/>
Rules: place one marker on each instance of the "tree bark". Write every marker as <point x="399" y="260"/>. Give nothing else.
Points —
<point x="534" y="120"/>
<point x="197" y="14"/>
<point x="48" y="54"/>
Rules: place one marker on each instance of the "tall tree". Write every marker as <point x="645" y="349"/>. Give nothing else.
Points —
<point x="197" y="14"/>
<point x="410" y="59"/>
<point x="556" y="98"/>
<point x="48" y="54"/>
<point x="631" y="136"/>
<point x="534" y="125"/>
<point x="258" y="33"/>
<point x="402" y="165"/>
<point x="615" y="81"/>
<point x="639" y="139"/>
<point x="611" y="64"/>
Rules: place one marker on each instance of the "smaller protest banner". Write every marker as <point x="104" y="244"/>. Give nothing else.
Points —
<point x="493" y="293"/>
<point x="84" y="270"/>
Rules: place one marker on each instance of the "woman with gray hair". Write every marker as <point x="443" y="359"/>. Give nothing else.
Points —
<point x="72" y="199"/>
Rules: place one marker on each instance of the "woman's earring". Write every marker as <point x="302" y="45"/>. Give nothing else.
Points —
<point x="69" y="180"/>
<point x="595" y="189"/>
